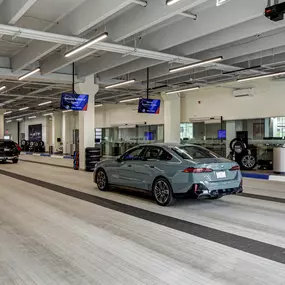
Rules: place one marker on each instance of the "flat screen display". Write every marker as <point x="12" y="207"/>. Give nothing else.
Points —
<point x="75" y="102"/>
<point x="149" y="106"/>
<point x="222" y="134"/>
<point x="35" y="133"/>
<point x="149" y="136"/>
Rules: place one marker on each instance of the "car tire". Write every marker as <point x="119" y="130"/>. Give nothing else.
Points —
<point x="248" y="162"/>
<point x="102" y="184"/>
<point x="162" y="192"/>
<point x="15" y="160"/>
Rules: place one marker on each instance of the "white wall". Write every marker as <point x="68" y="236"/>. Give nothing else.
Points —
<point x="121" y="114"/>
<point x="12" y="130"/>
<point x="268" y="101"/>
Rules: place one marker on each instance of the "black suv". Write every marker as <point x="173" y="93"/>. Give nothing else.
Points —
<point x="9" y="150"/>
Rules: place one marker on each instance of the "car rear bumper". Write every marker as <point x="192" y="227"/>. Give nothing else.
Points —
<point x="8" y="157"/>
<point x="200" y="191"/>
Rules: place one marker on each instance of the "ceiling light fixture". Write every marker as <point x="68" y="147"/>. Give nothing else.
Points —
<point x="25" y="108"/>
<point x="9" y="121"/>
<point x="221" y="2"/>
<point x="29" y="74"/>
<point x="183" y="90"/>
<point x="196" y="64"/>
<point x="98" y="105"/>
<point x="45" y="103"/>
<point x="32" y="117"/>
<point x="66" y="111"/>
<point x="86" y="45"/>
<point x="8" y="112"/>
<point x="261" y="76"/>
<point x="19" y="119"/>
<point x="22" y="109"/>
<point x="2" y="88"/>
<point x="170" y="2"/>
<point x="49" y="114"/>
<point x="120" y="84"/>
<point x="129" y="100"/>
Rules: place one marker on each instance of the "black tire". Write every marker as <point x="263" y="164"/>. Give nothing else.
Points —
<point x="162" y="192"/>
<point x="102" y="184"/>
<point x="237" y="146"/>
<point x="15" y="160"/>
<point x="248" y="162"/>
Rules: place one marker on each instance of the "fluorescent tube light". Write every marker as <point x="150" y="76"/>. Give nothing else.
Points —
<point x="98" y="105"/>
<point x="49" y="114"/>
<point x="32" y="117"/>
<point x="196" y="64"/>
<point x="261" y="76"/>
<point x="120" y="84"/>
<point x="86" y="45"/>
<point x="9" y="121"/>
<point x="25" y="108"/>
<point x="19" y="119"/>
<point x="45" y="103"/>
<point x="29" y="74"/>
<point x="221" y="2"/>
<point x="8" y="112"/>
<point x="2" y="88"/>
<point x="129" y="100"/>
<point x="183" y="90"/>
<point x="170" y="2"/>
<point x="66" y="111"/>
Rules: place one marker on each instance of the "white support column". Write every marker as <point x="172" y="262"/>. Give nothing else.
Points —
<point x="56" y="130"/>
<point x="231" y="134"/>
<point x="86" y="118"/>
<point x="65" y="132"/>
<point x="172" y="118"/>
<point x="2" y="124"/>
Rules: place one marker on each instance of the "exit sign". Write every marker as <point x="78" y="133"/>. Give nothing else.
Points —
<point x="221" y="2"/>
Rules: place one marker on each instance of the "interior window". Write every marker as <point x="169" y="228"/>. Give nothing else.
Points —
<point x="157" y="153"/>
<point x="135" y="154"/>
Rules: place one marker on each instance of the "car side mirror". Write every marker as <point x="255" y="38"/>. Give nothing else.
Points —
<point x="119" y="159"/>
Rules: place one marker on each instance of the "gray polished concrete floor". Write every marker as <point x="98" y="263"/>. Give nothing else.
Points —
<point x="47" y="237"/>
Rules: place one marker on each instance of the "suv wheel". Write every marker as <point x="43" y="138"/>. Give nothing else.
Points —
<point x="162" y="192"/>
<point x="15" y="160"/>
<point x="102" y="180"/>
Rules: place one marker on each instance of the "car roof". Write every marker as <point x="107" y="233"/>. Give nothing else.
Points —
<point x="168" y="145"/>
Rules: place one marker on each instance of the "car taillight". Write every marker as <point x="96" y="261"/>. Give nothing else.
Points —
<point x="197" y="170"/>
<point x="236" y="167"/>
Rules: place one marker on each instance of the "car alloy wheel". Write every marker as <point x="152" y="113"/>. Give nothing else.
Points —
<point x="162" y="192"/>
<point x="248" y="162"/>
<point x="101" y="180"/>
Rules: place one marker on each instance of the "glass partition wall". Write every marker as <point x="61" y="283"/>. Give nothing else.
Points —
<point x="116" y="140"/>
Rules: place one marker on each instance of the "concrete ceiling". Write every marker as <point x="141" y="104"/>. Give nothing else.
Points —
<point x="37" y="33"/>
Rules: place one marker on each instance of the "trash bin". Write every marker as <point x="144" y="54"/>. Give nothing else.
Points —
<point x="279" y="160"/>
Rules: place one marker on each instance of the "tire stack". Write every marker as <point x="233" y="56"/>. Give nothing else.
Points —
<point x="242" y="155"/>
<point x="92" y="157"/>
<point x="33" y="146"/>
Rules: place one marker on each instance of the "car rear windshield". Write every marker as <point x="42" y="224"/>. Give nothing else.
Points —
<point x="194" y="152"/>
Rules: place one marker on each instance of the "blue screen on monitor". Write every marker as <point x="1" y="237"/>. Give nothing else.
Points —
<point x="149" y="106"/>
<point x="75" y="102"/>
<point x="149" y="136"/>
<point x="222" y="134"/>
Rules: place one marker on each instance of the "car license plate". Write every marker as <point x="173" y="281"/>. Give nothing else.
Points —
<point x="6" y="149"/>
<point x="221" y="174"/>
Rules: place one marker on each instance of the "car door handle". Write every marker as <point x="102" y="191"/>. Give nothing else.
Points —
<point x="129" y="165"/>
<point x="150" y="166"/>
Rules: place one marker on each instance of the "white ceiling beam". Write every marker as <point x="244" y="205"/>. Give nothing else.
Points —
<point x="133" y="66"/>
<point x="87" y="15"/>
<point x="12" y="10"/>
<point x="6" y="73"/>
<point x="176" y="34"/>
<point x="137" y="20"/>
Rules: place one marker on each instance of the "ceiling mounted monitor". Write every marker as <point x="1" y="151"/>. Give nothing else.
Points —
<point x="74" y="102"/>
<point x="149" y="106"/>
